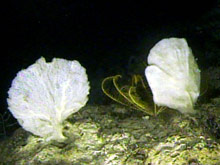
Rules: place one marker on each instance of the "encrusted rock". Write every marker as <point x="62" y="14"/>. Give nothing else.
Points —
<point x="97" y="135"/>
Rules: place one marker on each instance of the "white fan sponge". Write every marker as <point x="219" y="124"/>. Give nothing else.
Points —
<point x="173" y="75"/>
<point x="45" y="94"/>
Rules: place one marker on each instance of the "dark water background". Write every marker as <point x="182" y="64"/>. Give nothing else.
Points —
<point x="102" y="36"/>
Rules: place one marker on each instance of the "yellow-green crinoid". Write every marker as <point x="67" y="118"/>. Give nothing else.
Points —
<point x="136" y="95"/>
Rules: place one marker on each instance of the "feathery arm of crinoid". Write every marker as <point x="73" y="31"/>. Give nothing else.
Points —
<point x="135" y="96"/>
<point x="116" y="93"/>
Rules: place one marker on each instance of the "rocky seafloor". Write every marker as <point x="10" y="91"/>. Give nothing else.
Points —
<point x="115" y="135"/>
